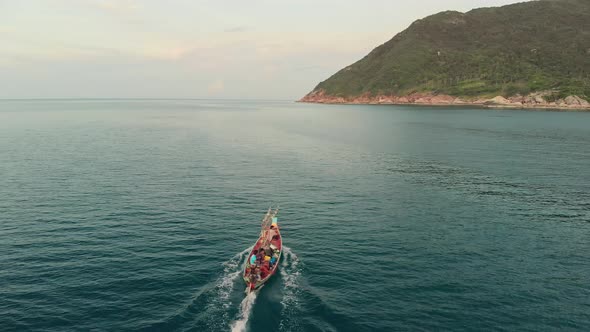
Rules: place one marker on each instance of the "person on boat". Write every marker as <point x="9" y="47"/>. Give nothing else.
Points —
<point x="260" y="255"/>
<point x="253" y="279"/>
<point x="271" y="234"/>
<point x="264" y="270"/>
<point x="253" y="258"/>
<point x="273" y="261"/>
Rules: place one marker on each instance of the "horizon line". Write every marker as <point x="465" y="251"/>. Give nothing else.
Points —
<point x="139" y="98"/>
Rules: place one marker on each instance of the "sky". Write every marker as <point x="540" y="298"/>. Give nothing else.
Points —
<point x="222" y="49"/>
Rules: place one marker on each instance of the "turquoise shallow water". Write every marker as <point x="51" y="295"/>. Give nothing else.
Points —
<point x="134" y="215"/>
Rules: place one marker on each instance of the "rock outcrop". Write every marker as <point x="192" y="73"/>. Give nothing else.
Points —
<point x="576" y="101"/>
<point x="534" y="100"/>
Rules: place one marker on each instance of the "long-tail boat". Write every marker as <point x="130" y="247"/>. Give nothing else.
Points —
<point x="263" y="261"/>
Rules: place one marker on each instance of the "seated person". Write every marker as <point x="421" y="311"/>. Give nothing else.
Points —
<point x="260" y="256"/>
<point x="268" y="251"/>
<point x="264" y="271"/>
<point x="273" y="261"/>
<point x="254" y="257"/>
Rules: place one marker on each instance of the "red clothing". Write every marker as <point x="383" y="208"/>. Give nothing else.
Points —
<point x="264" y="270"/>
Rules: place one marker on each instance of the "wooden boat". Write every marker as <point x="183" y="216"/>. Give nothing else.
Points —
<point x="268" y="245"/>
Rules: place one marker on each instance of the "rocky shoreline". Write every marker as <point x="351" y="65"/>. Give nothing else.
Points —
<point x="535" y="100"/>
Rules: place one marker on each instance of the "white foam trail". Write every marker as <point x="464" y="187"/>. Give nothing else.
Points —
<point x="245" y="311"/>
<point x="231" y="271"/>
<point x="224" y="286"/>
<point x="290" y="273"/>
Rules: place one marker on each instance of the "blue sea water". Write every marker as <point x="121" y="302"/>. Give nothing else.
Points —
<point x="135" y="215"/>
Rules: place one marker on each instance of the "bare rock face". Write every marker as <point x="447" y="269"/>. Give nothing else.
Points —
<point x="320" y="96"/>
<point x="499" y="100"/>
<point x="518" y="99"/>
<point x="443" y="99"/>
<point x="533" y="100"/>
<point x="575" y="101"/>
<point x="538" y="99"/>
<point x="571" y="100"/>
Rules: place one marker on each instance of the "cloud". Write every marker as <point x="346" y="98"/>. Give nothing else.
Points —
<point x="240" y="28"/>
<point x="171" y="53"/>
<point x="6" y="29"/>
<point x="114" y="6"/>
<point x="215" y="87"/>
<point x="270" y="70"/>
<point x="309" y="67"/>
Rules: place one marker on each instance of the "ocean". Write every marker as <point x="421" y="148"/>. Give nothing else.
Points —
<point x="136" y="215"/>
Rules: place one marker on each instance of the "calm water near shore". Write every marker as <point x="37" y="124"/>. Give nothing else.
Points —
<point x="135" y="215"/>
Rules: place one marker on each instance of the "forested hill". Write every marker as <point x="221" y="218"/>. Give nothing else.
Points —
<point x="505" y="51"/>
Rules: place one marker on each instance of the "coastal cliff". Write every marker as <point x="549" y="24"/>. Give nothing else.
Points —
<point x="535" y="100"/>
<point x="527" y="55"/>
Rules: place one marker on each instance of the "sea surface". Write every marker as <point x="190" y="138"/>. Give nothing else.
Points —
<point x="136" y="215"/>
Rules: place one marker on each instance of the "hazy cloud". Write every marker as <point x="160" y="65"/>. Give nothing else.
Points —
<point x="114" y="6"/>
<point x="309" y="67"/>
<point x="215" y="87"/>
<point x="6" y="29"/>
<point x="240" y="28"/>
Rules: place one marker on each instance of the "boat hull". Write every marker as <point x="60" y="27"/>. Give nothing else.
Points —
<point x="278" y="243"/>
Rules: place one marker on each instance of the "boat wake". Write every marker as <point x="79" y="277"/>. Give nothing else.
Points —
<point x="224" y="286"/>
<point x="221" y="310"/>
<point x="290" y="273"/>
<point x="245" y="309"/>
<point x="231" y="271"/>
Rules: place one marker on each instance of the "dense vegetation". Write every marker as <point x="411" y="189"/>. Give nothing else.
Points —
<point x="515" y="49"/>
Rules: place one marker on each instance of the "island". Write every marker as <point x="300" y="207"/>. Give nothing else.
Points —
<point x="527" y="55"/>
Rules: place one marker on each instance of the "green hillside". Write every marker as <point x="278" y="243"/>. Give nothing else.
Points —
<point x="515" y="49"/>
